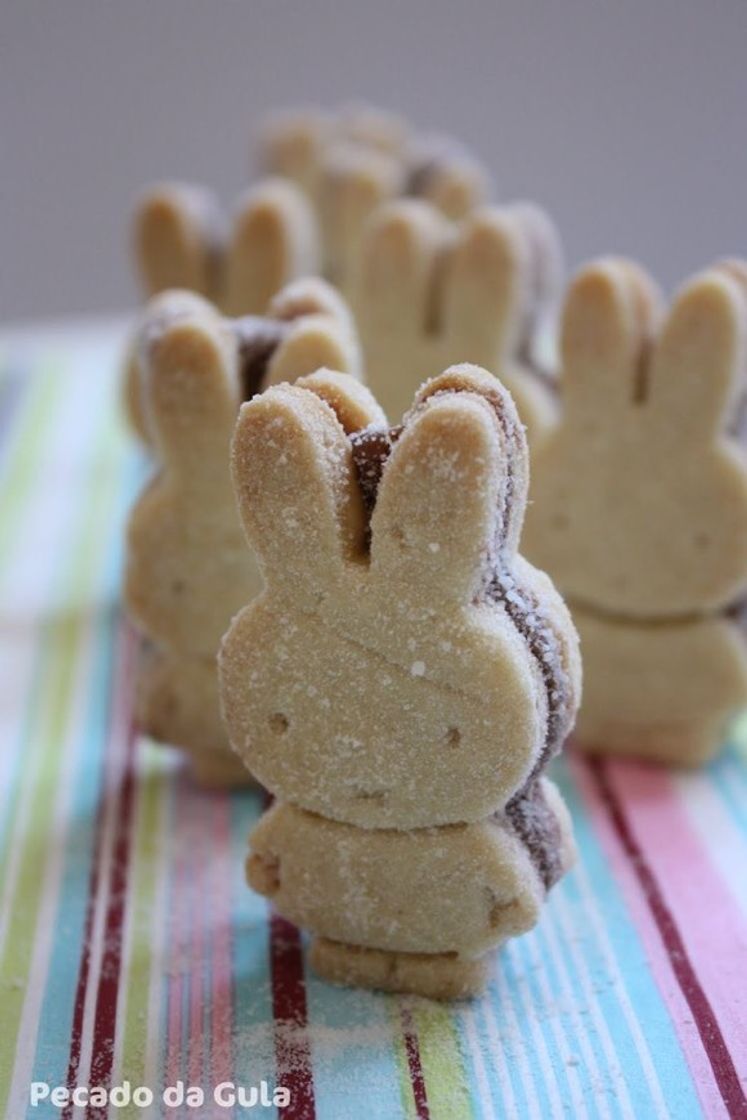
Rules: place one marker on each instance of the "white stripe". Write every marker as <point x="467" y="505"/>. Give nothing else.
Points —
<point x="594" y="1075"/>
<point x="725" y="843"/>
<point x="533" y="946"/>
<point x="509" y="1020"/>
<point x="530" y="1015"/>
<point x="466" y="1018"/>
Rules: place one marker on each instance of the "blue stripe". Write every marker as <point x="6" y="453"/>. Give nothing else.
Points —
<point x="254" y="1047"/>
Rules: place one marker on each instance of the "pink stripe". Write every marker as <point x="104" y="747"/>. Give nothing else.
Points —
<point x="656" y="953"/>
<point x="711" y="924"/>
<point x="221" y="1059"/>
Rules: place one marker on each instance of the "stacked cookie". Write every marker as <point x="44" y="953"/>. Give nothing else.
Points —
<point x="182" y="240"/>
<point x="188" y="571"/>
<point x="639" y="507"/>
<point x="351" y="162"/>
<point x="401" y="682"/>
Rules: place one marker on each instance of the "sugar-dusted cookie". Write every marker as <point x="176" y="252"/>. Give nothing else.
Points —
<point x="404" y="667"/>
<point x="182" y="240"/>
<point x="475" y="885"/>
<point x="639" y="493"/>
<point x="663" y="691"/>
<point x="295" y="143"/>
<point x="188" y="570"/>
<point x="352" y="162"/>
<point x="429" y="293"/>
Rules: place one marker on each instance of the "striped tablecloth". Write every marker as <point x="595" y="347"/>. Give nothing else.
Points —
<point x="131" y="950"/>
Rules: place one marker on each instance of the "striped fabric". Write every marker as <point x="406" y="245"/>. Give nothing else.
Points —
<point x="131" y="950"/>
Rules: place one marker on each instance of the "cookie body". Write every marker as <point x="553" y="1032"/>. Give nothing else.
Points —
<point x="188" y="570"/>
<point x="475" y="884"/>
<point x="176" y="701"/>
<point x="428" y="294"/>
<point x="664" y="692"/>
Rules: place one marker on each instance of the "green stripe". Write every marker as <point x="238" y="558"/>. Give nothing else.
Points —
<point x="443" y="1063"/>
<point x="152" y="786"/>
<point x="64" y="642"/>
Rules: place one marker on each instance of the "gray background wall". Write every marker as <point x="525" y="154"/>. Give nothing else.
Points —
<point x="626" y="120"/>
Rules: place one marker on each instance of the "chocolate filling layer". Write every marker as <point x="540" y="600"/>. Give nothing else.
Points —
<point x="258" y="339"/>
<point x="537" y="828"/>
<point x="528" y="813"/>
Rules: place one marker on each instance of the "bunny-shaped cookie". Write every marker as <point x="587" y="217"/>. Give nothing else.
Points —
<point x="350" y="164"/>
<point x="476" y="885"/>
<point x="428" y="293"/>
<point x="188" y="571"/>
<point x="639" y="494"/>
<point x="383" y="660"/>
<point x="183" y="241"/>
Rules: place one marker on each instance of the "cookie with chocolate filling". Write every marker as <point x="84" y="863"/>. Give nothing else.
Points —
<point x="475" y="885"/>
<point x="352" y="162"/>
<point x="639" y="506"/>
<point x="404" y="667"/>
<point x="188" y="570"/>
<point x="428" y="293"/>
<point x="183" y="240"/>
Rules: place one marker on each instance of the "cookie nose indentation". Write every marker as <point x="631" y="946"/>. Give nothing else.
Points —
<point x="453" y="737"/>
<point x="278" y="723"/>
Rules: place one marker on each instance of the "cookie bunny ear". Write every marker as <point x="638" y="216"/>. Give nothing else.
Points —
<point x="700" y="362"/>
<point x="373" y="128"/>
<point x="608" y="323"/>
<point x="485" y="298"/>
<point x="273" y="240"/>
<point x="398" y="267"/>
<point x="322" y="332"/>
<point x="178" y="238"/>
<point x="447" y="487"/>
<point x="352" y="403"/>
<point x="188" y="363"/>
<point x="354" y="181"/>
<point x="167" y="307"/>
<point x="298" y="499"/>
<point x="442" y="171"/>
<point x="291" y="145"/>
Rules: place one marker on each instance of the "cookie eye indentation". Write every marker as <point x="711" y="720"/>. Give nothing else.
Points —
<point x="701" y="541"/>
<point x="453" y="737"/>
<point x="263" y="873"/>
<point x="279" y="723"/>
<point x="178" y="586"/>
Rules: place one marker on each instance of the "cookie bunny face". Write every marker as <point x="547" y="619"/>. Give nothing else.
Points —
<point x="188" y="570"/>
<point x="640" y="493"/>
<point x="385" y="658"/>
<point x="183" y="240"/>
<point x="429" y="293"/>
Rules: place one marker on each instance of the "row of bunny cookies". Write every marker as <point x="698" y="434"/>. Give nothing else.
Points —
<point x="433" y="273"/>
<point x="395" y="674"/>
<point x="638" y="496"/>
